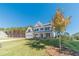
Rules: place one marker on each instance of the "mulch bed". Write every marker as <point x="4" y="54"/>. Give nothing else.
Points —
<point x="54" y="51"/>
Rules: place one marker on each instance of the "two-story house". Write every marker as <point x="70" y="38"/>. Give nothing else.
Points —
<point x="40" y="31"/>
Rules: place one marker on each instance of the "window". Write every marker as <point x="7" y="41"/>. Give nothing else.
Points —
<point x="29" y="30"/>
<point x="47" y="28"/>
<point x="36" y="34"/>
<point x="47" y="34"/>
<point x="41" y="28"/>
<point x="36" y="29"/>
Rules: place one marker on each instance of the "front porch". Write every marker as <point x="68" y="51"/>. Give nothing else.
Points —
<point x="43" y="35"/>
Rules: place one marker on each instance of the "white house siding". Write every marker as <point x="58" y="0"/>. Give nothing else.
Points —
<point x="29" y="35"/>
<point x="3" y="35"/>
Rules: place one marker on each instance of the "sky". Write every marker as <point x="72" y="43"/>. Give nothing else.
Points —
<point x="25" y="14"/>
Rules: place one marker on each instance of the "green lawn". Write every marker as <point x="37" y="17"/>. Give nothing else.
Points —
<point x="33" y="47"/>
<point x="21" y="48"/>
<point x="73" y="45"/>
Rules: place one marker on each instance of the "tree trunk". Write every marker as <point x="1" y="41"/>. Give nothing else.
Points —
<point x="59" y="38"/>
<point x="60" y="44"/>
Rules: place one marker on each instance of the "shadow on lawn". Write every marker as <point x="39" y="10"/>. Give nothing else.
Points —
<point x="41" y="44"/>
<point x="35" y="44"/>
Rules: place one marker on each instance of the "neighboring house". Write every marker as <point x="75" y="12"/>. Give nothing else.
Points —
<point x="3" y="35"/>
<point x="40" y="31"/>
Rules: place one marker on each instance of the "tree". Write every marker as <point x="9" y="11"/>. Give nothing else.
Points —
<point x="59" y="25"/>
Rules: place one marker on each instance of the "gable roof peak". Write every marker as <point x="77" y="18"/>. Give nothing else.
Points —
<point x="38" y="24"/>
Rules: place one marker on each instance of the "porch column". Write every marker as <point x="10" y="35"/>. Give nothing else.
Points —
<point x="44" y="35"/>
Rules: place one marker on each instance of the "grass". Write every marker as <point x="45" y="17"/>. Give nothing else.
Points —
<point x="41" y="44"/>
<point x="20" y="48"/>
<point x="33" y="47"/>
<point x="71" y="44"/>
